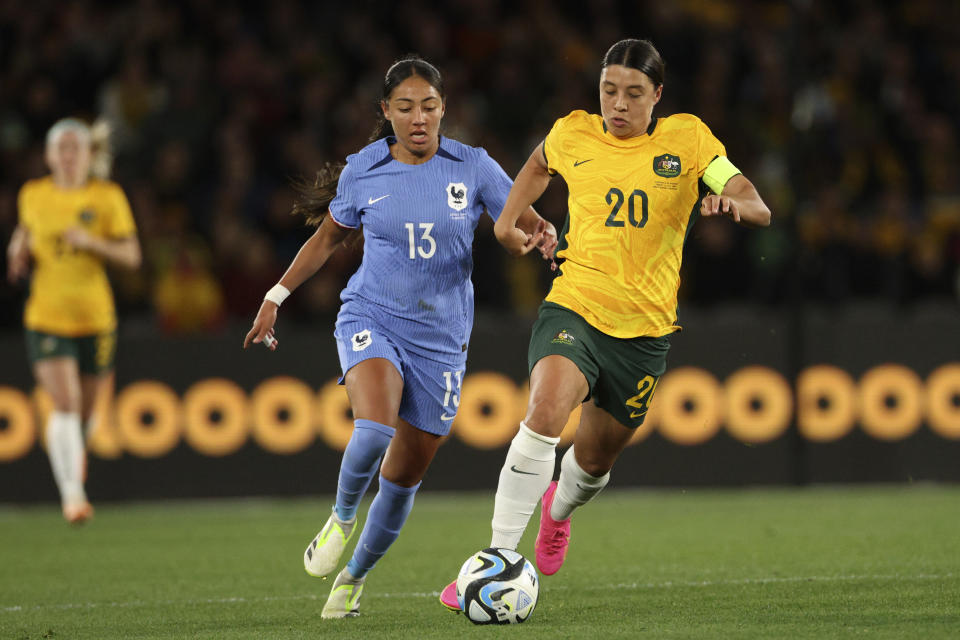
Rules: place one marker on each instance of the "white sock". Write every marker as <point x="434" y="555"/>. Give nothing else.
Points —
<point x="525" y="476"/>
<point x="66" y="451"/>
<point x="576" y="487"/>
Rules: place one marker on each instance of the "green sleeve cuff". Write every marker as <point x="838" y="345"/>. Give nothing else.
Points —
<point x="543" y="147"/>
<point x="718" y="173"/>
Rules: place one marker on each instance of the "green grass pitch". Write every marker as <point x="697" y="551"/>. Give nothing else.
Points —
<point x="830" y="562"/>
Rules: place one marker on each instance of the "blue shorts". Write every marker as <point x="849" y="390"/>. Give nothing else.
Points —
<point x="431" y="388"/>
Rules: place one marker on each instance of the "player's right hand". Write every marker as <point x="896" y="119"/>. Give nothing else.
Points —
<point x="18" y="266"/>
<point x="518" y="242"/>
<point x="262" y="330"/>
<point x="18" y="255"/>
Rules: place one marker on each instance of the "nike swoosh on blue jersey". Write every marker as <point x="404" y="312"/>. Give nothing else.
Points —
<point x="446" y="417"/>
<point x="372" y="200"/>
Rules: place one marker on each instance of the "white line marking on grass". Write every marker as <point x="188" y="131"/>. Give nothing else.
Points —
<point x="155" y="603"/>
<point x="773" y="580"/>
<point x="669" y="584"/>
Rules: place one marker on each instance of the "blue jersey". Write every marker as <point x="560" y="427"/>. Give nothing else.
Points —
<point x="418" y="223"/>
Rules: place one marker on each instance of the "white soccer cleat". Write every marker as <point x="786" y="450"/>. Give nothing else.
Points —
<point x="324" y="551"/>
<point x="344" y="599"/>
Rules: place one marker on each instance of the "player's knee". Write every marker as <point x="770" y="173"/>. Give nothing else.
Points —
<point x="404" y="470"/>
<point x="595" y="467"/>
<point x="546" y="418"/>
<point x="594" y="462"/>
<point x="402" y="477"/>
<point x="66" y="401"/>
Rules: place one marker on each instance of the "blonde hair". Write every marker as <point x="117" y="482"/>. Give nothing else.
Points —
<point x="96" y="136"/>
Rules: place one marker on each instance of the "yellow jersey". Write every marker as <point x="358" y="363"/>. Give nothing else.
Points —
<point x="69" y="291"/>
<point x="630" y="207"/>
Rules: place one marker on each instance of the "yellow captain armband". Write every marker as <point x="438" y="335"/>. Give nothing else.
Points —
<point x="718" y="173"/>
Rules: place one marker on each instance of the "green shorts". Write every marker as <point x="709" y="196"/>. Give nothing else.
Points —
<point x="622" y="372"/>
<point x="94" y="354"/>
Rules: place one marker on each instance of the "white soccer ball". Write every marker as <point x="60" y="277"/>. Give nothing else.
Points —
<point x="497" y="586"/>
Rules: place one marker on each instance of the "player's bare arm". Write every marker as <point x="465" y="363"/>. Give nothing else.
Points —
<point x="18" y="254"/>
<point x="312" y="255"/>
<point x="530" y="184"/>
<point x="122" y="251"/>
<point x="740" y="202"/>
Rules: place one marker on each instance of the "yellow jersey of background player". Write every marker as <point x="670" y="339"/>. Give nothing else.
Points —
<point x="69" y="291"/>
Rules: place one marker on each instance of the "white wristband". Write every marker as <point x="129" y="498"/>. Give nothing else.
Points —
<point x="277" y="294"/>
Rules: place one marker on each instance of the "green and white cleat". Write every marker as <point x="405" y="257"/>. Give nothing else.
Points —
<point x="324" y="551"/>
<point x="344" y="599"/>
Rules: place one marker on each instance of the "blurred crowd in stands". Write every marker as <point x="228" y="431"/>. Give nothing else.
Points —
<point x="844" y="114"/>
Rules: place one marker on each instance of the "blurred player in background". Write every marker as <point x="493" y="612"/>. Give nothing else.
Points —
<point x="71" y="223"/>
<point x="404" y="326"/>
<point x="601" y="339"/>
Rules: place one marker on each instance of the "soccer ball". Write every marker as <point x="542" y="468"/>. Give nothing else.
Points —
<point x="497" y="586"/>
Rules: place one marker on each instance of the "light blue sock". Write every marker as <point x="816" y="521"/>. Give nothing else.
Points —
<point x="360" y="461"/>
<point x="387" y="514"/>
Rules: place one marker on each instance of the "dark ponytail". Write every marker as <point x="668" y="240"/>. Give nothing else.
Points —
<point x="315" y="198"/>
<point x="637" y="54"/>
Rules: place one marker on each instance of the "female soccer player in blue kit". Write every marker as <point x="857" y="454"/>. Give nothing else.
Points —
<point x="404" y="326"/>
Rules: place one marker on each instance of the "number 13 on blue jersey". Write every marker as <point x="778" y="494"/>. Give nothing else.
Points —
<point x="426" y="240"/>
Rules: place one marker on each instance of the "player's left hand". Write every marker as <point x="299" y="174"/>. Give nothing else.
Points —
<point x="548" y="242"/>
<point x="78" y="238"/>
<point x="714" y="205"/>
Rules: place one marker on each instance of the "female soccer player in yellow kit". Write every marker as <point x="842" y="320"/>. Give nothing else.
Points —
<point x="70" y="224"/>
<point x="636" y="184"/>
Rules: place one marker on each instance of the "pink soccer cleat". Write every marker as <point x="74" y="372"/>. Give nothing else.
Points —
<point x="553" y="537"/>
<point x="448" y="597"/>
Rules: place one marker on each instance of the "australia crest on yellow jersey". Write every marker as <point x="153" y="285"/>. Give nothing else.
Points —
<point x="667" y="166"/>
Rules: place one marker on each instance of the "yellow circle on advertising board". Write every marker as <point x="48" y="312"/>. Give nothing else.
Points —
<point x="759" y="404"/>
<point x="148" y="418"/>
<point x="690" y="405"/>
<point x="283" y="415"/>
<point x="943" y="401"/>
<point x="487" y="417"/>
<point x="826" y="403"/>
<point x="215" y="416"/>
<point x="890" y="402"/>
<point x="19" y="433"/>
